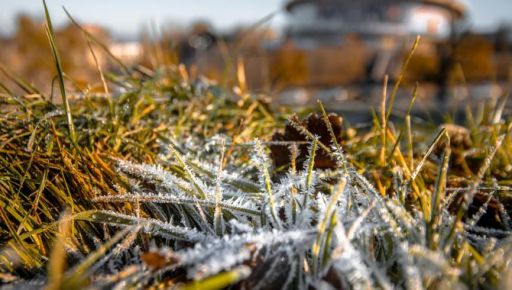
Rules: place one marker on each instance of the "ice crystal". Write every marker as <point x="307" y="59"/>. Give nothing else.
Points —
<point x="297" y="230"/>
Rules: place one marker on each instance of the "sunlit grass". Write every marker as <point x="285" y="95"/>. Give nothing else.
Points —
<point x="168" y="183"/>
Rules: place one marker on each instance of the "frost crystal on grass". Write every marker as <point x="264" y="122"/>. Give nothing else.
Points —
<point x="297" y="229"/>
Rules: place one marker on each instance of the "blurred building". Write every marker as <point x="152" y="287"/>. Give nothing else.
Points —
<point x="330" y="20"/>
<point x="335" y="42"/>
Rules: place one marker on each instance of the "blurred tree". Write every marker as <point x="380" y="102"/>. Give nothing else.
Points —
<point x="28" y="54"/>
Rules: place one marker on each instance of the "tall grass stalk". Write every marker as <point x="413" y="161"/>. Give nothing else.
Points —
<point x="401" y="76"/>
<point x="60" y="73"/>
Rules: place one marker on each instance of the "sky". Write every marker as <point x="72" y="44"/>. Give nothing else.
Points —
<point x="126" y="18"/>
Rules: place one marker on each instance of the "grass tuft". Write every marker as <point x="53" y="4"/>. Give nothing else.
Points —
<point x="167" y="184"/>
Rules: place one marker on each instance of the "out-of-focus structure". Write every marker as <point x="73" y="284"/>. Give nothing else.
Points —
<point x="342" y="41"/>
<point x="329" y="43"/>
<point x="336" y="46"/>
<point x="329" y="20"/>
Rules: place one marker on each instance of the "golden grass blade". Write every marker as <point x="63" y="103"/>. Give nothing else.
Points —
<point x="384" y="125"/>
<point x="56" y="266"/>
<point x="241" y="76"/>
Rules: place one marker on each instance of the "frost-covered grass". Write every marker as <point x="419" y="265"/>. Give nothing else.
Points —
<point x="167" y="182"/>
<point x="158" y="191"/>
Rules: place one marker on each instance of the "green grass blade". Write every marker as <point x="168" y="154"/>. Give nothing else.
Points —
<point x="435" y="219"/>
<point x="322" y="226"/>
<point x="264" y="168"/>
<point x="60" y="74"/>
<point x="401" y="77"/>
<point x="310" y="171"/>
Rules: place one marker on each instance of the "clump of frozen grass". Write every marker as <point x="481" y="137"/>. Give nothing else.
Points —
<point x="299" y="231"/>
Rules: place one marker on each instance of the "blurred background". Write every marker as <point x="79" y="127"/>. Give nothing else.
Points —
<point x="298" y="50"/>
